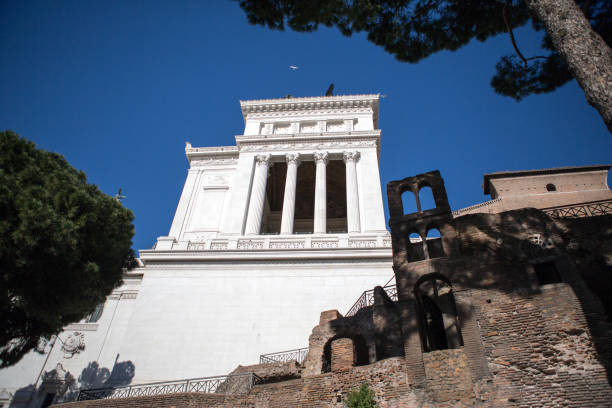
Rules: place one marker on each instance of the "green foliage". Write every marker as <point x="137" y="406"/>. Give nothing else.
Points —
<point x="414" y="29"/>
<point x="63" y="245"/>
<point x="362" y="398"/>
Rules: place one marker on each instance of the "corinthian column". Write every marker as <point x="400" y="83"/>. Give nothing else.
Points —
<point x="293" y="161"/>
<point x="258" y="195"/>
<point x="320" y="210"/>
<point x="352" y="194"/>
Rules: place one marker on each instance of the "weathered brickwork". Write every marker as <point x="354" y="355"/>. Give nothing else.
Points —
<point x="448" y="375"/>
<point x="531" y="298"/>
<point x="341" y="354"/>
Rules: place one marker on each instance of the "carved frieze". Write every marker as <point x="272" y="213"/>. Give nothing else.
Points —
<point x="362" y="243"/>
<point x="324" y="244"/>
<point x="307" y="146"/>
<point x="216" y="246"/>
<point x="292" y="244"/>
<point x="196" y="246"/>
<point x="250" y="244"/>
<point x="213" y="162"/>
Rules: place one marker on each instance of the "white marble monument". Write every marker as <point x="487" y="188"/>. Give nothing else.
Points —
<point x="266" y="235"/>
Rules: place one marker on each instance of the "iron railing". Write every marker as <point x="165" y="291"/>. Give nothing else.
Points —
<point x="591" y="209"/>
<point x="367" y="299"/>
<point x="298" y="355"/>
<point x="224" y="384"/>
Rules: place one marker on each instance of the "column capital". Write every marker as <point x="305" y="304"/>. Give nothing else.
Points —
<point x="293" y="158"/>
<point x="263" y="159"/>
<point x="321" y="157"/>
<point x="351" y="156"/>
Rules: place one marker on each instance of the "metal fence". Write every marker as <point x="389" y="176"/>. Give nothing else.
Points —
<point x="591" y="209"/>
<point x="367" y="299"/>
<point x="225" y="384"/>
<point x="298" y="355"/>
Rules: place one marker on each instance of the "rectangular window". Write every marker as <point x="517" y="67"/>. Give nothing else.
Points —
<point x="95" y="316"/>
<point x="546" y="272"/>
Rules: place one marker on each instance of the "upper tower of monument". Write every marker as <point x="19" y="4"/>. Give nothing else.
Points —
<point x="302" y="166"/>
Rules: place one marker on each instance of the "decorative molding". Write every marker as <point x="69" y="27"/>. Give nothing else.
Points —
<point x="129" y="295"/>
<point x="293" y="244"/>
<point x="293" y="158"/>
<point x="475" y="206"/>
<point x="351" y="156"/>
<point x="82" y="326"/>
<point x="345" y="144"/>
<point x="215" y="246"/>
<point x="324" y="244"/>
<point x="362" y="243"/>
<point x="196" y="246"/>
<point x="73" y="344"/>
<point x="217" y="150"/>
<point x="309" y="104"/>
<point x="250" y="244"/>
<point x="213" y="162"/>
<point x="263" y="159"/>
<point x="322" y="157"/>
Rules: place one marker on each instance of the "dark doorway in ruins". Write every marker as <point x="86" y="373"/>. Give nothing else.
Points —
<point x="437" y="313"/>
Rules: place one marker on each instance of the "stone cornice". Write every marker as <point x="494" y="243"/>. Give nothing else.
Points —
<point x="311" y="104"/>
<point x="213" y="155"/>
<point x="268" y="256"/>
<point x="355" y="135"/>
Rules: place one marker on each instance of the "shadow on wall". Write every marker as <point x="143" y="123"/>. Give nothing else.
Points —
<point x="59" y="385"/>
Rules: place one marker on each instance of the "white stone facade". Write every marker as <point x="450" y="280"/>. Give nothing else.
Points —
<point x="239" y="276"/>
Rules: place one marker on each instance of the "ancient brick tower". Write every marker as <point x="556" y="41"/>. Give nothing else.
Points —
<point x="503" y="309"/>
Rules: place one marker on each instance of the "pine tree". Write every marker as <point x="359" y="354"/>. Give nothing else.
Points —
<point x="63" y="245"/>
<point x="577" y="40"/>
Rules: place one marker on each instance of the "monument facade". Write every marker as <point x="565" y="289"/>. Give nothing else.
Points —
<point x="267" y="233"/>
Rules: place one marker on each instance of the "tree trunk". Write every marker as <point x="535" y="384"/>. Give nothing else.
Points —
<point x="585" y="52"/>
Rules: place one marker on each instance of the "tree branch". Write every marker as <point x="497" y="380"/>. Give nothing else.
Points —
<point x="509" y="28"/>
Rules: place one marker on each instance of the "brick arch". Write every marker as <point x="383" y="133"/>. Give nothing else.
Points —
<point x="356" y="356"/>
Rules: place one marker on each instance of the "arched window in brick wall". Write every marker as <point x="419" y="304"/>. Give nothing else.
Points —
<point x="437" y="313"/>
<point x="409" y="202"/>
<point x="435" y="248"/>
<point x="338" y="345"/>
<point x="426" y="198"/>
<point x="414" y="248"/>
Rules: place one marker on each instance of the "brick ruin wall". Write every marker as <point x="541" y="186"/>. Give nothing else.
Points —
<point x="524" y="344"/>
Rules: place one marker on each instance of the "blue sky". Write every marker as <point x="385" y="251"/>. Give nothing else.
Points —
<point x="117" y="87"/>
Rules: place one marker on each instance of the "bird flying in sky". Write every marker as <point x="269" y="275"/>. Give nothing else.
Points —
<point x="293" y="67"/>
